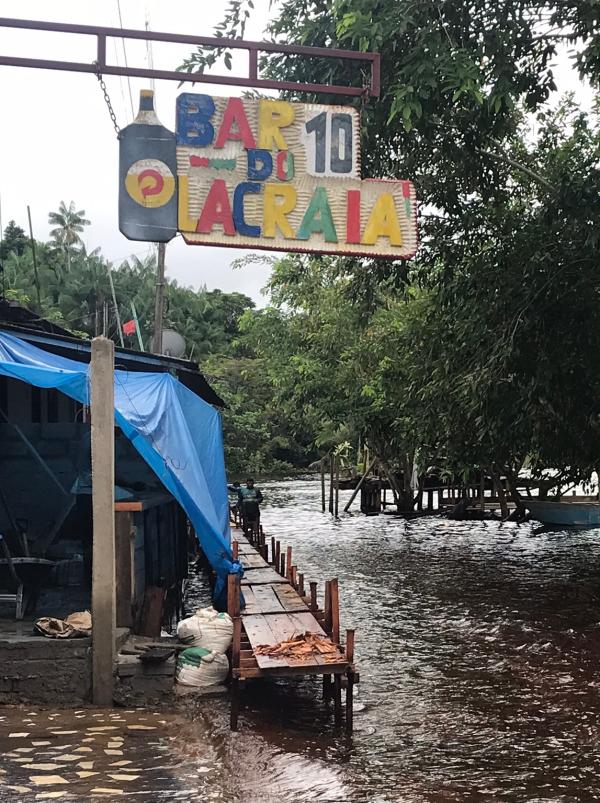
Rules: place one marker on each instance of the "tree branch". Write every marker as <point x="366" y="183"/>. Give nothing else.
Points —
<point x="518" y="165"/>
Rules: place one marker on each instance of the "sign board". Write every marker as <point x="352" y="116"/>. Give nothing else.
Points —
<point x="263" y="173"/>
<point x="260" y="173"/>
<point x="147" y="175"/>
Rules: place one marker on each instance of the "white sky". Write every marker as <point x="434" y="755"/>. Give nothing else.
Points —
<point x="58" y="142"/>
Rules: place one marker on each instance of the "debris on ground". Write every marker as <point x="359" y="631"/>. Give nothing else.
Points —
<point x="305" y="646"/>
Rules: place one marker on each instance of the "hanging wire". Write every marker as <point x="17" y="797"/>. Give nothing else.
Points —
<point x="125" y="58"/>
<point x="149" y="53"/>
<point x="121" y="83"/>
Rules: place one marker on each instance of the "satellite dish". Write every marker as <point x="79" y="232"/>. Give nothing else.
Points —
<point x="173" y="345"/>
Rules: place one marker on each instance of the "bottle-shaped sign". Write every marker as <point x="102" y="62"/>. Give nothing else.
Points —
<point x="147" y="177"/>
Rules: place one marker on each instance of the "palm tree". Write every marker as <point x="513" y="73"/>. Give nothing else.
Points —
<point x="69" y="224"/>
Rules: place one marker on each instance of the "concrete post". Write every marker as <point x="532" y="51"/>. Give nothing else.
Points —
<point x="103" y="556"/>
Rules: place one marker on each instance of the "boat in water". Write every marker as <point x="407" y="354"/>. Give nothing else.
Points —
<point x="570" y="511"/>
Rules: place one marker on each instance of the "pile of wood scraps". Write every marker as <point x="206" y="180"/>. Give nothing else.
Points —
<point x="305" y="646"/>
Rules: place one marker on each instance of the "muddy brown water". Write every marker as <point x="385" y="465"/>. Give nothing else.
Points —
<point x="478" y="646"/>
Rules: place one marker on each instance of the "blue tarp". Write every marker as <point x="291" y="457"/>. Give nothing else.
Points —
<point x="176" y="432"/>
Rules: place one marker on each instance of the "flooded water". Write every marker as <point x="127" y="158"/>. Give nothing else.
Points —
<point x="478" y="646"/>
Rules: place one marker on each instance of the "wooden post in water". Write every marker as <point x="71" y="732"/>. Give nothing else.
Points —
<point x="301" y="583"/>
<point x="233" y="606"/>
<point x="313" y="595"/>
<point x="234" y="549"/>
<point x="282" y="566"/>
<point x="482" y="493"/>
<point x="273" y="549"/>
<point x="323" y="485"/>
<point x="331" y="461"/>
<point x="350" y="681"/>
<point x="337" y="488"/>
<point x="288" y="563"/>
<point x="367" y="471"/>
<point x="327" y="608"/>
<point x="337" y="698"/>
<point x="277" y="562"/>
<point x="334" y="602"/>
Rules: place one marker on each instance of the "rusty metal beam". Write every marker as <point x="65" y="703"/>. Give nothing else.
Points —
<point x="253" y="48"/>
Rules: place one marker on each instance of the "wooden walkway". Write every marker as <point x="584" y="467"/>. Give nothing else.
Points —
<point x="276" y="610"/>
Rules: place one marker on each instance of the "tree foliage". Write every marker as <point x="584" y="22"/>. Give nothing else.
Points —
<point x="484" y="351"/>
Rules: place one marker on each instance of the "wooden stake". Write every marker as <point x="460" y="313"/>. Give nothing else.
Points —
<point x="349" y="701"/>
<point x="350" y="645"/>
<point x="235" y="704"/>
<point x="327" y="693"/>
<point x="482" y="493"/>
<point x="360" y="484"/>
<point x="237" y="640"/>
<point x="277" y="555"/>
<point x="301" y="583"/>
<point x="313" y="596"/>
<point x="334" y="595"/>
<point x="337" y="698"/>
<point x="331" y="469"/>
<point x="337" y="488"/>
<point x="234" y="549"/>
<point x="273" y="550"/>
<point x="282" y="567"/>
<point x="288" y="563"/>
<point x="231" y="596"/>
<point x="293" y="579"/>
<point x="327" y="607"/>
<point x="323" y="485"/>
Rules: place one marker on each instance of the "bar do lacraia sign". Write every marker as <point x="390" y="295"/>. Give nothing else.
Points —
<point x="260" y="173"/>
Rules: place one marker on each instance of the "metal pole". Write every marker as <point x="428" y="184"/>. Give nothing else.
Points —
<point x="160" y="298"/>
<point x="33" y="254"/>
<point x="114" y="298"/>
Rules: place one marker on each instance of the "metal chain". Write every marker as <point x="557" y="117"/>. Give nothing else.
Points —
<point x="111" y="111"/>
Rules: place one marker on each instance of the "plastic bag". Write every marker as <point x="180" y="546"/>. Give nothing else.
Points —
<point x="200" y="667"/>
<point x="208" y="629"/>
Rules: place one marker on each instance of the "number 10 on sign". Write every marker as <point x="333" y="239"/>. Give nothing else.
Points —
<point x="330" y="141"/>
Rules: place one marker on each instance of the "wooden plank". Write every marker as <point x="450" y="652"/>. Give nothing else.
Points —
<point x="250" y="560"/>
<point x="260" y="577"/>
<point x="289" y="599"/>
<point x="267" y="599"/>
<point x="306" y="623"/>
<point x="283" y="628"/>
<point x="259" y="633"/>
<point x="152" y="612"/>
<point x="252" y="604"/>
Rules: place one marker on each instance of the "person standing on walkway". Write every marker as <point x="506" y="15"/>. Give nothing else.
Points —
<point x="250" y="498"/>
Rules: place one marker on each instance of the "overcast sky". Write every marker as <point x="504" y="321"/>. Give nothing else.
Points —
<point x="58" y="142"/>
<point x="57" y="139"/>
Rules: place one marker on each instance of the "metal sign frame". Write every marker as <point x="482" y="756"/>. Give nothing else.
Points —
<point x="253" y="48"/>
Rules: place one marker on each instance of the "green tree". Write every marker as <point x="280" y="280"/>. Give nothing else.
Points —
<point x="69" y="223"/>
<point x="14" y="241"/>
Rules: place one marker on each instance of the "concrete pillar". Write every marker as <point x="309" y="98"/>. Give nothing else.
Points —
<point x="103" y="484"/>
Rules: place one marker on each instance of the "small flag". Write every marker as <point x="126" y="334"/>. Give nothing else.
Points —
<point x="129" y="328"/>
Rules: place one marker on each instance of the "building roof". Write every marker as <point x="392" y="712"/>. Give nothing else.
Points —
<point x="44" y="334"/>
